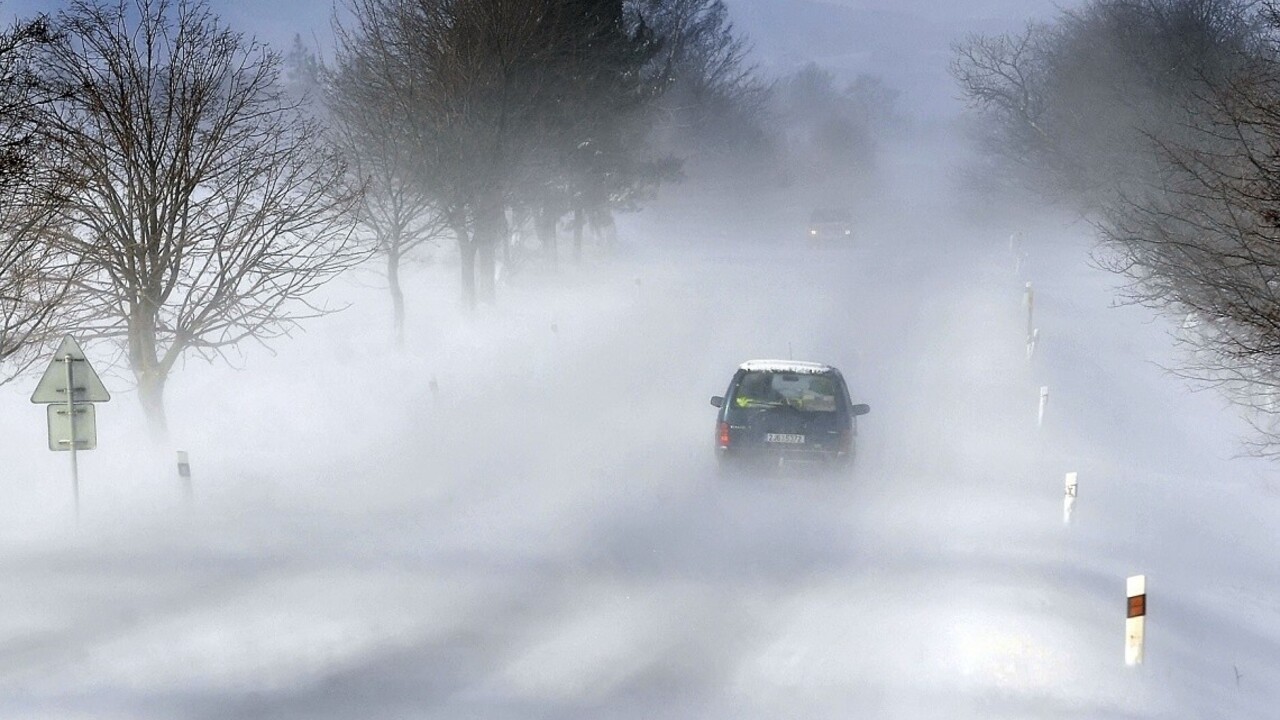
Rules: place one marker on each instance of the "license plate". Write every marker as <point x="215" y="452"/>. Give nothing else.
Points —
<point x="784" y="438"/>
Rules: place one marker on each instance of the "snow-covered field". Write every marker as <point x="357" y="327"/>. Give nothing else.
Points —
<point x="546" y="536"/>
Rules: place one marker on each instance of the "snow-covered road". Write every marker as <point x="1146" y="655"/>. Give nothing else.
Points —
<point x="547" y="538"/>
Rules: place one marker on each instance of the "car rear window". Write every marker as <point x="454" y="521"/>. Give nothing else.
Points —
<point x="807" y="392"/>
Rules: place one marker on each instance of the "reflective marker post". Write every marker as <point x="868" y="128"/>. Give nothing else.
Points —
<point x="1135" y="623"/>
<point x="1044" y="402"/>
<point x="1069" y="501"/>
<point x="184" y="472"/>
<point x="1029" y="299"/>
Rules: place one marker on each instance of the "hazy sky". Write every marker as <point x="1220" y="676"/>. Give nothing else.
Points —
<point x="542" y="532"/>
<point x="956" y="8"/>
<point x="274" y="21"/>
<point x="277" y="20"/>
<point x="904" y="41"/>
<point x="283" y="18"/>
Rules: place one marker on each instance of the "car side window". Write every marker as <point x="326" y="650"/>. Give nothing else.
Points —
<point x="751" y="388"/>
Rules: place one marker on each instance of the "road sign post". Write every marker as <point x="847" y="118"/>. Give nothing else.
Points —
<point x="72" y="439"/>
<point x="69" y="387"/>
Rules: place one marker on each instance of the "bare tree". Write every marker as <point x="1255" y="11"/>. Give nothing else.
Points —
<point x="714" y="112"/>
<point x="426" y="64"/>
<point x="1004" y="78"/>
<point x="200" y="197"/>
<point x="397" y="211"/>
<point x="35" y="278"/>
<point x="481" y="86"/>
<point x="705" y="60"/>
<point x="399" y="215"/>
<point x="1067" y="107"/>
<point x="36" y="282"/>
<point x="1203" y="243"/>
<point x="594" y="155"/>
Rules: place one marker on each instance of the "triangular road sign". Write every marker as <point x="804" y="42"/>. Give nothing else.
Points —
<point x="53" y="386"/>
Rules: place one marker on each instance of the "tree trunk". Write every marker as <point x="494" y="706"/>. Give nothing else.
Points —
<point x="467" y="252"/>
<point x="151" y="394"/>
<point x="546" y="228"/>
<point x="605" y="230"/>
<point x="485" y="273"/>
<point x="466" y="263"/>
<point x="397" y="295"/>
<point x="579" y="219"/>
<point x="147" y="370"/>
<point x="491" y="225"/>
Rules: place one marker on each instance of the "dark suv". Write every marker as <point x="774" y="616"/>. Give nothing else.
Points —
<point x="781" y="412"/>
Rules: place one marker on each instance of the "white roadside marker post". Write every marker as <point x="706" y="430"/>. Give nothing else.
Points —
<point x="1016" y="243"/>
<point x="184" y="472"/>
<point x="1069" y="501"/>
<point x="1031" y="344"/>
<point x="1029" y="302"/>
<point x="1135" y="619"/>
<point x="1044" y="402"/>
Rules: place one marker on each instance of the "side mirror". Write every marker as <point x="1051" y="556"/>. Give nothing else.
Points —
<point x="717" y="401"/>
<point x="861" y="409"/>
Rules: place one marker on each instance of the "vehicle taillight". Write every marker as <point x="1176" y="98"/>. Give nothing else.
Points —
<point x="722" y="436"/>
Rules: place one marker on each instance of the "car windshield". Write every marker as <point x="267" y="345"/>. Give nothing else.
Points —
<point x="808" y="392"/>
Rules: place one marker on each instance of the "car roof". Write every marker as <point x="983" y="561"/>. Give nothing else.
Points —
<point x="786" y="366"/>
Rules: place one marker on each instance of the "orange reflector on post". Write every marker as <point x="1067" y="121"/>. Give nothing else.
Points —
<point x="1135" y="623"/>
<point x="1137" y="606"/>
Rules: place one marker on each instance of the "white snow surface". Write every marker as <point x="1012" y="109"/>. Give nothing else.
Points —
<point x="546" y="537"/>
<point x="786" y="366"/>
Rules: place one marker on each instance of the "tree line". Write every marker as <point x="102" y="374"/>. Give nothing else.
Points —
<point x="163" y="185"/>
<point x="1159" y="120"/>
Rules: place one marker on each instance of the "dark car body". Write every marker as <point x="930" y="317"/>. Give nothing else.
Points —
<point x="780" y="412"/>
<point x="830" y="224"/>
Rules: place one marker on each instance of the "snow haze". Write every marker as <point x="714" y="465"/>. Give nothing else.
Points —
<point x="518" y="514"/>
